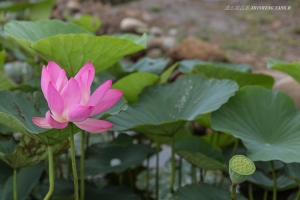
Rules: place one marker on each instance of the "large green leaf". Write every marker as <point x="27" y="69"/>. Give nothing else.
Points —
<point x="203" y="191"/>
<point x="41" y="10"/>
<point x="242" y="78"/>
<point x="166" y="74"/>
<point x="16" y="112"/>
<point x="282" y="182"/>
<point x="27" y="32"/>
<point x="72" y="51"/>
<point x="101" y="158"/>
<point x="5" y="83"/>
<point x="292" y="170"/>
<point x="219" y="139"/>
<point x="188" y="65"/>
<point x="164" y="109"/>
<point x="27" y="152"/>
<point x="5" y="172"/>
<point x="266" y="121"/>
<point x="133" y="84"/>
<point x="292" y="69"/>
<point x="155" y="66"/>
<point x="89" y="22"/>
<point x="27" y="178"/>
<point x="200" y="153"/>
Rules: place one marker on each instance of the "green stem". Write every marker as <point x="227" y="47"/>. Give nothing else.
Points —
<point x="233" y="191"/>
<point x="73" y="159"/>
<point x="173" y="165"/>
<point x="82" y="179"/>
<point x="147" y="177"/>
<point x="131" y="179"/>
<point x="274" y="180"/>
<point x="15" y="185"/>
<point x="157" y="172"/>
<point x="67" y="164"/>
<point x="120" y="179"/>
<point x="250" y="191"/>
<point x="235" y="146"/>
<point x="193" y="174"/>
<point x="266" y="195"/>
<point x="298" y="194"/>
<point x="180" y="172"/>
<point x="51" y="173"/>
<point x="201" y="175"/>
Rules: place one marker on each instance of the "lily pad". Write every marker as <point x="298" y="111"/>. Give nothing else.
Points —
<point x="123" y="140"/>
<point x="220" y="140"/>
<point x="188" y="65"/>
<point x="133" y="84"/>
<point x="105" y="158"/>
<point x="155" y="66"/>
<point x="282" y="182"/>
<point x="27" y="178"/>
<point x="27" y="152"/>
<point x="292" y="69"/>
<point x="102" y="51"/>
<point x="292" y="171"/>
<point x="27" y="33"/>
<point x="16" y="112"/>
<point x="266" y="121"/>
<point x="164" y="109"/>
<point x="203" y="191"/>
<point x="200" y="153"/>
<point x="166" y="74"/>
<point x="242" y="78"/>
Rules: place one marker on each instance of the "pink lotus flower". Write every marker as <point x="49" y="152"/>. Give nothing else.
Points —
<point x="70" y="100"/>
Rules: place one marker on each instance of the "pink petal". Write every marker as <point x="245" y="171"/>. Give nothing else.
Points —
<point x="94" y="125"/>
<point x="99" y="93"/>
<point x="54" y="71"/>
<point x="45" y="79"/>
<point x="41" y="122"/>
<point x="55" y="101"/>
<point x="53" y="123"/>
<point x="110" y="98"/>
<point x="71" y="96"/>
<point x="79" y="113"/>
<point x="85" y="79"/>
<point x="62" y="80"/>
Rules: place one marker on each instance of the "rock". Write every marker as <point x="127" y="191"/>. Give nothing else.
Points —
<point x="284" y="83"/>
<point x="173" y="32"/>
<point x="73" y="5"/>
<point x="132" y="25"/>
<point x="155" y="42"/>
<point x="154" y="53"/>
<point x="156" y="31"/>
<point x="289" y="86"/>
<point x="168" y="42"/>
<point x="192" y="48"/>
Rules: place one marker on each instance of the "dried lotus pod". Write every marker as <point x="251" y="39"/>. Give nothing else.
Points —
<point x="240" y="168"/>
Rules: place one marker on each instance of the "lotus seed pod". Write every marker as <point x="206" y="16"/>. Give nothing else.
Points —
<point x="240" y="168"/>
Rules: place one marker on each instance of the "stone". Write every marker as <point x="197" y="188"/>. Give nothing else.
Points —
<point x="156" y="31"/>
<point x="289" y="86"/>
<point x="154" y="53"/>
<point x="168" y="42"/>
<point x="192" y="48"/>
<point x="132" y="25"/>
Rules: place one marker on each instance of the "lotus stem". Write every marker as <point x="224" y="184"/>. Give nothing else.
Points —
<point x="147" y="177"/>
<point x="250" y="191"/>
<point x="266" y="195"/>
<point x="15" y="185"/>
<point x="274" y="180"/>
<point x="235" y="146"/>
<point x="157" y="172"/>
<point x="180" y="172"/>
<point x="51" y="173"/>
<point x="233" y="191"/>
<point x="82" y="179"/>
<point x="131" y="179"/>
<point x="173" y="165"/>
<point x="193" y="174"/>
<point x="75" y="177"/>
<point x="298" y="194"/>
